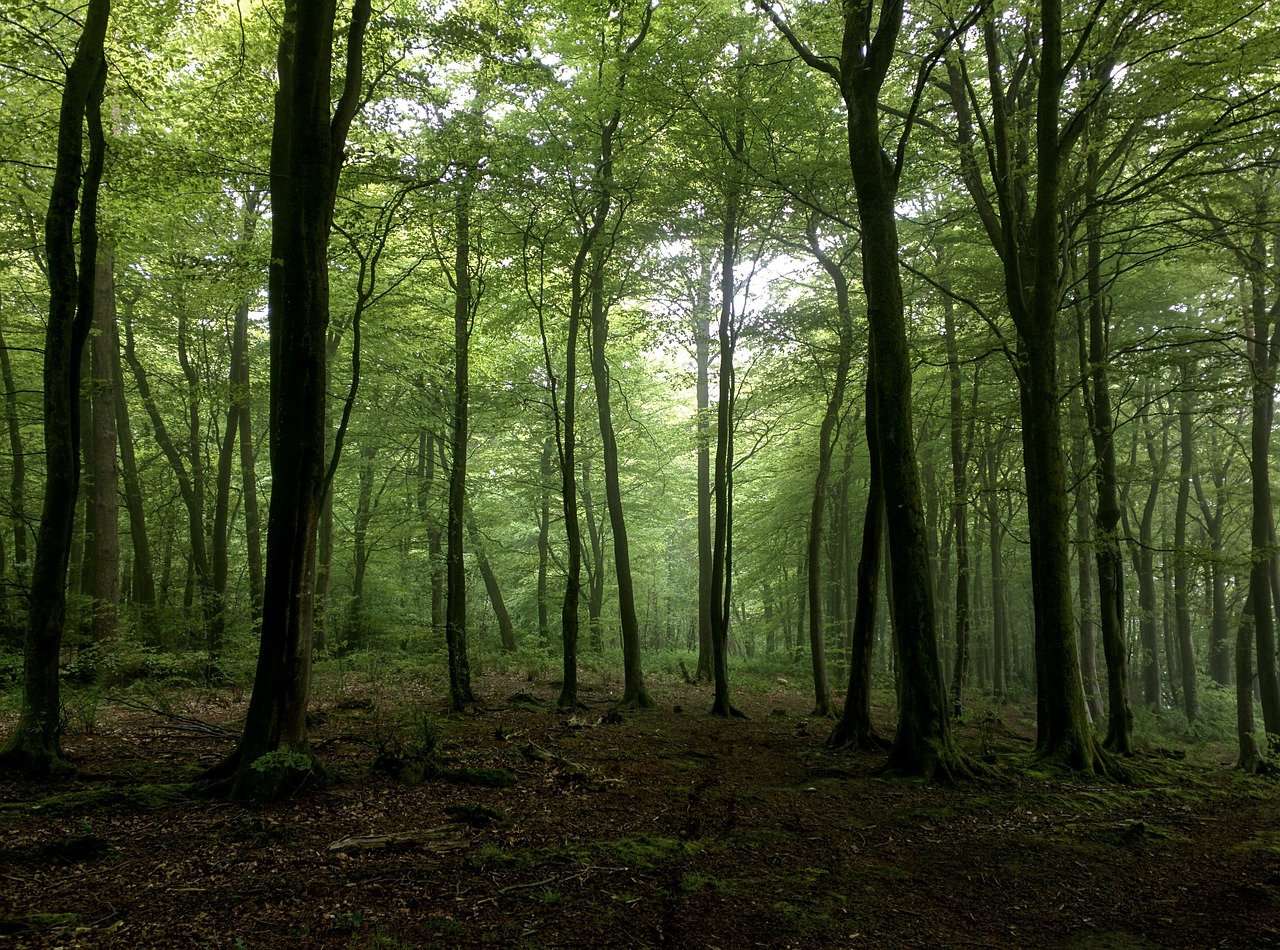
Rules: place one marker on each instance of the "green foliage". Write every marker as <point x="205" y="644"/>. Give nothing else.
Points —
<point x="282" y="760"/>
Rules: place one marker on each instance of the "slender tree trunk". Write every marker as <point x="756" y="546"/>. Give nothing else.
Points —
<point x="242" y="401"/>
<point x="594" y="565"/>
<point x="634" y="691"/>
<point x="35" y="744"/>
<point x="1181" y="554"/>
<point x="855" y="728"/>
<point x="1095" y="354"/>
<point x="1250" y="759"/>
<point x="460" y="692"/>
<point x="828" y="432"/>
<point x="103" y="577"/>
<point x="702" y="359"/>
<point x="142" y="587"/>
<point x="189" y="473"/>
<point x="506" y="628"/>
<point x="544" y="539"/>
<point x="17" y="470"/>
<point x="357" y="626"/>
<point x="722" y="474"/>
<point x="959" y="511"/>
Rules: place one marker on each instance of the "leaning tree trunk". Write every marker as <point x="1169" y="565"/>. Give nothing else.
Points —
<point x="35" y="744"/>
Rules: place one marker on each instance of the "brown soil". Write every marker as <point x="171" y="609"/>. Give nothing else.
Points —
<point x="656" y="828"/>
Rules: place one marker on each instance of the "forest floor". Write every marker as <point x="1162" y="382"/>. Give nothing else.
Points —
<point x="620" y="828"/>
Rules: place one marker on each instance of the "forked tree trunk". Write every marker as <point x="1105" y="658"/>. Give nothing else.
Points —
<point x="273" y="756"/>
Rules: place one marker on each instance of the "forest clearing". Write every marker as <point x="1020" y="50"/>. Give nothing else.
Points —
<point x="660" y="828"/>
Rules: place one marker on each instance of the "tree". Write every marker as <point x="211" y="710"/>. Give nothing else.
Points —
<point x="273" y="755"/>
<point x="35" y="744"/>
<point x="923" y="744"/>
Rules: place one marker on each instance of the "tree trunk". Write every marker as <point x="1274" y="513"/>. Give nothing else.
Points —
<point x="544" y="539"/>
<point x="142" y="587"/>
<point x="1106" y="530"/>
<point x="18" y="469"/>
<point x="103" y="577"/>
<point x="241" y="397"/>
<point x="506" y="629"/>
<point x="189" y="473"/>
<point x="827" y="434"/>
<point x="634" y="691"/>
<point x="1250" y="759"/>
<point x="1181" y="554"/>
<point x="959" y="511"/>
<point x="273" y="756"/>
<point x="35" y="744"/>
<point x="702" y="359"/>
<point x="722" y="474"/>
<point x="455" y="624"/>
<point x="855" y="728"/>
<point x="357" y="626"/>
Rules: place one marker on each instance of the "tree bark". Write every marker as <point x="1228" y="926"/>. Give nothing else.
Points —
<point x="828" y="432"/>
<point x="273" y="756"/>
<point x="455" y="623"/>
<point x="35" y="745"/>
<point x="855" y="728"/>
<point x="1181" y="554"/>
<point x="17" y="471"/>
<point x="103" y="576"/>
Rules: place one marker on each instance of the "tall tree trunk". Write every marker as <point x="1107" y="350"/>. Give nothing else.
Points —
<point x="1000" y="658"/>
<point x="1095" y="354"/>
<point x="242" y="402"/>
<point x="273" y="756"/>
<point x="1221" y="651"/>
<point x="923" y="744"/>
<point x="35" y="744"/>
<point x="634" y="691"/>
<point x="828" y="432"/>
<point x="959" y="509"/>
<point x="1181" y="554"/>
<point x="1264" y="356"/>
<point x="544" y="538"/>
<point x="455" y="624"/>
<point x="722" y="473"/>
<point x="103" y="577"/>
<point x="142" y="587"/>
<point x="702" y="360"/>
<point x="595" y="563"/>
<point x="17" y="470"/>
<point x="1250" y="759"/>
<point x="1142" y="554"/>
<point x="357" y="626"/>
<point x="855" y="728"/>
<point x="189" y="472"/>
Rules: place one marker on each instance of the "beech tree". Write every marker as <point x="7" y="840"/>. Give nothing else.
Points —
<point x="273" y="755"/>
<point x="35" y="744"/>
